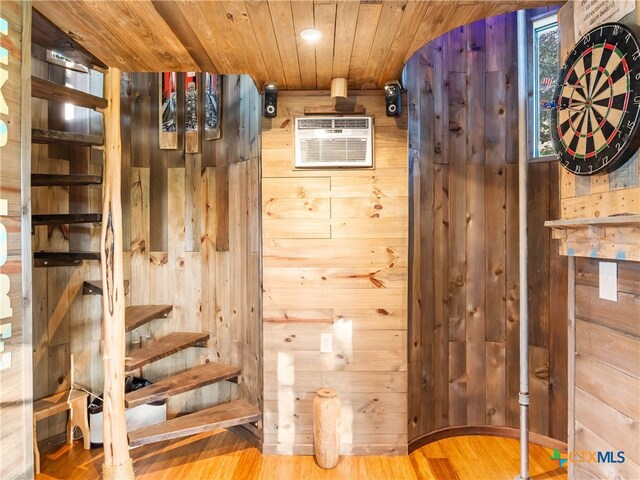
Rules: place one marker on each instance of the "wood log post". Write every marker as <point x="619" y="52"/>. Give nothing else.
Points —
<point x="117" y="463"/>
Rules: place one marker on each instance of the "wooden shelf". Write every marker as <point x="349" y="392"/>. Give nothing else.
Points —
<point x="62" y="259"/>
<point x="137" y="315"/>
<point x="162" y="347"/>
<point x="612" y="237"/>
<point x="617" y="221"/>
<point x="236" y="412"/>
<point x="65" y="218"/>
<point x="94" y="287"/>
<point x="41" y="88"/>
<point x="53" y="180"/>
<point x="56" y="137"/>
<point x="196" y="377"/>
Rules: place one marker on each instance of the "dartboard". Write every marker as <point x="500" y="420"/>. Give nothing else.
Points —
<point x="597" y="101"/>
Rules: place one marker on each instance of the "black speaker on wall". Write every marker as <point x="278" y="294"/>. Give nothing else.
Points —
<point x="393" y="98"/>
<point x="270" y="100"/>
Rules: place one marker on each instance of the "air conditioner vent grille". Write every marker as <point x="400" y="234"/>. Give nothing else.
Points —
<point x="333" y="142"/>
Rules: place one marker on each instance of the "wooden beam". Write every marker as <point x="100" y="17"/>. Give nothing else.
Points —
<point x="117" y="463"/>
<point x="39" y="135"/>
<point x="41" y="88"/>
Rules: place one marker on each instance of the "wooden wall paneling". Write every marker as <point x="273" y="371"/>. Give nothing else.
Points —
<point x="346" y="21"/>
<point x="282" y="63"/>
<point x="495" y="241"/>
<point x="558" y="348"/>
<point x="193" y="202"/>
<point x="511" y="89"/>
<point x="539" y="238"/>
<point x="587" y="273"/>
<point x="442" y="296"/>
<point x="141" y="119"/>
<point x="302" y="12"/>
<point x="513" y="297"/>
<point x="458" y="210"/>
<point x="475" y="297"/>
<point x="477" y="95"/>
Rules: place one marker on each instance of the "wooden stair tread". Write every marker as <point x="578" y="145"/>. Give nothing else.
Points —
<point x="160" y="348"/>
<point x="56" y="403"/>
<point x="94" y="287"/>
<point x="138" y="315"/>
<point x="65" y="218"/>
<point x="39" y="135"/>
<point x="62" y="259"/>
<point x="41" y="88"/>
<point x="52" y="180"/>
<point x="236" y="412"/>
<point x="193" y="378"/>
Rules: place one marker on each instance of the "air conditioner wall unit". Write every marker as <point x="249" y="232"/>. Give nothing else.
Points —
<point x="333" y="142"/>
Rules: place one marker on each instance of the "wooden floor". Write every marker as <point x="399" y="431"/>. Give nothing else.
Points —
<point x="223" y="455"/>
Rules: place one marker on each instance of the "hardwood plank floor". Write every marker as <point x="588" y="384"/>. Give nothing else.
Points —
<point x="222" y="455"/>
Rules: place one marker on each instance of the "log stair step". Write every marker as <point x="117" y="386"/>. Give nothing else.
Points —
<point x="236" y="412"/>
<point x="56" y="137"/>
<point x="137" y="315"/>
<point x="94" y="287"/>
<point x="52" y="180"/>
<point x="62" y="259"/>
<point x="193" y="378"/>
<point x="41" y="88"/>
<point x="65" y="218"/>
<point x="162" y="347"/>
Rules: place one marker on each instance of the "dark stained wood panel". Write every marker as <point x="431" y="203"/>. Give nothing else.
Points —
<point x="65" y="218"/>
<point x="49" y="180"/>
<point x="193" y="378"/>
<point x="237" y="412"/>
<point x="366" y="42"/>
<point x="464" y="306"/>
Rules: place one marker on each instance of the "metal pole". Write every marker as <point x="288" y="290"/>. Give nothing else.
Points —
<point x="523" y="396"/>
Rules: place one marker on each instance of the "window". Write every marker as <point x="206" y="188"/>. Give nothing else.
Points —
<point x="546" y="64"/>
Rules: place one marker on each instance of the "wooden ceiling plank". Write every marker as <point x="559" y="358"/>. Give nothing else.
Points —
<point x="210" y="25"/>
<point x="282" y="20"/>
<point x="325" y="20"/>
<point x="414" y="14"/>
<point x="173" y="17"/>
<point x="265" y="36"/>
<point x="346" y="19"/>
<point x="246" y="42"/>
<point x="392" y="13"/>
<point x="302" y="11"/>
<point x="368" y="17"/>
<point x="433" y="28"/>
<point x="48" y="35"/>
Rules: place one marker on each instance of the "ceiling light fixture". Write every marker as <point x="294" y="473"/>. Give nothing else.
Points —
<point x="311" y="35"/>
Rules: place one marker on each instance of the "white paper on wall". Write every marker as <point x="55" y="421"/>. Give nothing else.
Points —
<point x="588" y="14"/>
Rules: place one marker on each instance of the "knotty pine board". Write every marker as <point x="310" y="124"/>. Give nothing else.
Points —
<point x="335" y="261"/>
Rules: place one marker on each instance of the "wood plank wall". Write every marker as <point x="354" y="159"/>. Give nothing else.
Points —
<point x="464" y="307"/>
<point x="606" y="391"/>
<point x="191" y="236"/>
<point x="194" y="236"/>
<point x="15" y="380"/>
<point x="335" y="261"/>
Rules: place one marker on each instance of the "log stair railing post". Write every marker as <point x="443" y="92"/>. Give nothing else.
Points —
<point x="117" y="462"/>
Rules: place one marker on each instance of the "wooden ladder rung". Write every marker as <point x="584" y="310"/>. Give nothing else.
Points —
<point x="65" y="218"/>
<point x="193" y="378"/>
<point x="39" y="135"/>
<point x="62" y="259"/>
<point x="236" y="412"/>
<point x="160" y="348"/>
<point x="41" y="88"/>
<point x="54" y="180"/>
<point x="137" y="315"/>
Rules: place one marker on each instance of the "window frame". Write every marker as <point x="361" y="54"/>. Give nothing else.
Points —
<point x="537" y="21"/>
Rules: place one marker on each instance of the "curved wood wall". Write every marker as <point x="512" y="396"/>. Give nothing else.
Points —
<point x="463" y="327"/>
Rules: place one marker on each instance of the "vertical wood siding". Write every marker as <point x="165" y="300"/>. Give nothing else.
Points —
<point x="463" y="327"/>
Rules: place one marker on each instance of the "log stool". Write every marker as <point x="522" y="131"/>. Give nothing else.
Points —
<point x="73" y="400"/>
